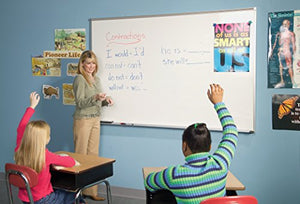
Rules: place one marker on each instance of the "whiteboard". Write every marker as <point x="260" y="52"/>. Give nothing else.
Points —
<point x="158" y="68"/>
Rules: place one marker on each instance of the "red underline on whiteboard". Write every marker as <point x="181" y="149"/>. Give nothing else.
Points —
<point x="120" y="43"/>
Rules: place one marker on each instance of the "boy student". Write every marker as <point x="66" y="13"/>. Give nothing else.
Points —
<point x="203" y="175"/>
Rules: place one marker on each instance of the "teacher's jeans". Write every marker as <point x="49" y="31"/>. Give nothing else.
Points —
<point x="86" y="141"/>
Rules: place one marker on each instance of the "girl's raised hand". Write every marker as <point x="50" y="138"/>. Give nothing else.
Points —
<point x="34" y="99"/>
<point x="215" y="94"/>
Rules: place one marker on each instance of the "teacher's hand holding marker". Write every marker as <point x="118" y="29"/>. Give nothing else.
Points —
<point x="109" y="101"/>
<point x="103" y="97"/>
<point x="100" y="96"/>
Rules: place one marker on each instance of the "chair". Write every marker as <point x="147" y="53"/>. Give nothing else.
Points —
<point x="21" y="177"/>
<point x="160" y="197"/>
<point x="243" y="199"/>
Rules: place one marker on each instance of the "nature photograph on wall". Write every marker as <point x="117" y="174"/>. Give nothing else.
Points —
<point x="70" y="39"/>
<point x="45" y="66"/>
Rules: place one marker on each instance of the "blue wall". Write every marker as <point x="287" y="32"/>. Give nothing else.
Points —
<point x="267" y="162"/>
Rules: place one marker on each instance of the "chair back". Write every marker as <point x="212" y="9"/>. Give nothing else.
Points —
<point x="243" y="199"/>
<point x="21" y="177"/>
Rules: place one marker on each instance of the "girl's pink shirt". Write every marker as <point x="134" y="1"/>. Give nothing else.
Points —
<point x="44" y="186"/>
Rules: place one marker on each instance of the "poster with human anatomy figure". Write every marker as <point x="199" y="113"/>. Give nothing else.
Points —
<point x="284" y="49"/>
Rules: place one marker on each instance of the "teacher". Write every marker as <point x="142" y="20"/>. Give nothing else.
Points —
<point x="88" y="99"/>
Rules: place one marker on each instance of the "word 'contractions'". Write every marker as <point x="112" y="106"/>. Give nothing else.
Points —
<point x="124" y="38"/>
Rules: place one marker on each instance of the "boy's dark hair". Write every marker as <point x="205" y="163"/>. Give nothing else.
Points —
<point x="197" y="137"/>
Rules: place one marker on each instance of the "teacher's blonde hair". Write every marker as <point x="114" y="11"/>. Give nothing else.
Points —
<point x="32" y="150"/>
<point x="85" y="55"/>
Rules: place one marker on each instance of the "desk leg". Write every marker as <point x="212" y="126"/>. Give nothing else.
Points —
<point x="148" y="196"/>
<point x="108" y="192"/>
<point x="77" y="200"/>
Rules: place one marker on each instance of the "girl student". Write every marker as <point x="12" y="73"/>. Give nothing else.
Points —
<point x="203" y="175"/>
<point x="31" y="151"/>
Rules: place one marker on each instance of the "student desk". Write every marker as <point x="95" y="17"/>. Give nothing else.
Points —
<point x="91" y="171"/>
<point x="165" y="196"/>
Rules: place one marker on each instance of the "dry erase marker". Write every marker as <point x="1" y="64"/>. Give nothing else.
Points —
<point x="106" y="122"/>
<point x="129" y="124"/>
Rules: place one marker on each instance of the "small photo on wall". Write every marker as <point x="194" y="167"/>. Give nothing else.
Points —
<point x="68" y="94"/>
<point x="70" y="39"/>
<point x="49" y="91"/>
<point x="72" y="69"/>
<point x="286" y="112"/>
<point x="45" y="66"/>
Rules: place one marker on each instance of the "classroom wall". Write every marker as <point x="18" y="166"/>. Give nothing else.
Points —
<point x="267" y="162"/>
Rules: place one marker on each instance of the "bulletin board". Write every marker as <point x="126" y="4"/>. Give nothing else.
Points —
<point x="158" y="68"/>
